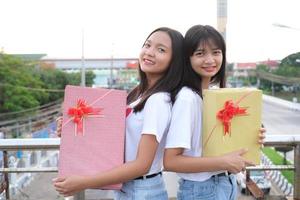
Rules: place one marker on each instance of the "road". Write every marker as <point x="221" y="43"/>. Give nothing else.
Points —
<point x="280" y="120"/>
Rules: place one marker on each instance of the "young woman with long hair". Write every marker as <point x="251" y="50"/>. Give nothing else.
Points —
<point x="160" y="68"/>
<point x="209" y="178"/>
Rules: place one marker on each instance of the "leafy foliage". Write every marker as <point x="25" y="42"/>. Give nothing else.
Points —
<point x="15" y="77"/>
<point x="265" y="85"/>
<point x="290" y="66"/>
<point x="25" y="84"/>
<point x="277" y="159"/>
<point x="291" y="60"/>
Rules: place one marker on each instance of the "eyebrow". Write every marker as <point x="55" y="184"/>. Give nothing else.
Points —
<point x="199" y="49"/>
<point x="203" y="49"/>
<point x="159" y="44"/>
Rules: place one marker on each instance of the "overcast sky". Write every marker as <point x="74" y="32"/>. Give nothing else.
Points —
<point x="119" y="27"/>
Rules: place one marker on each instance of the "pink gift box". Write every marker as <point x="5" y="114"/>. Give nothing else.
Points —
<point x="95" y="143"/>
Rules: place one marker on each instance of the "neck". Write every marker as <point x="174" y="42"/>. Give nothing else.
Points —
<point x="205" y="82"/>
<point x="152" y="79"/>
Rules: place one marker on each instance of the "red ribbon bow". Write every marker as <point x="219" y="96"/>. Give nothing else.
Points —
<point x="80" y="111"/>
<point x="227" y="113"/>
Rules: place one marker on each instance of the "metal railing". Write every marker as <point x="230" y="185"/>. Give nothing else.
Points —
<point x="279" y="141"/>
<point x="54" y="143"/>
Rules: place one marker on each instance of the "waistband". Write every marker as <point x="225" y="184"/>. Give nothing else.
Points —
<point x="223" y="174"/>
<point x="148" y="176"/>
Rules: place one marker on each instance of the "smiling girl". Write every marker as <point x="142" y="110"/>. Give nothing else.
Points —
<point x="160" y="67"/>
<point x="209" y="178"/>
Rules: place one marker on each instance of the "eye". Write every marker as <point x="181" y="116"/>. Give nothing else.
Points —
<point x="161" y="50"/>
<point x="217" y="52"/>
<point x="199" y="53"/>
<point x="146" y="45"/>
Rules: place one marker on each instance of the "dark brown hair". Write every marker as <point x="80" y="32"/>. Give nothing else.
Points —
<point x="171" y="79"/>
<point x="196" y="35"/>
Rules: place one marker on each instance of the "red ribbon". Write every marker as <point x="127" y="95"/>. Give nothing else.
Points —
<point x="128" y="111"/>
<point x="227" y="113"/>
<point x="80" y="111"/>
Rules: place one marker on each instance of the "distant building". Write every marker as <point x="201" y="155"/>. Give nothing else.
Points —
<point x="91" y="63"/>
<point x="119" y="72"/>
<point x="243" y="69"/>
<point x="272" y="64"/>
<point x="31" y="57"/>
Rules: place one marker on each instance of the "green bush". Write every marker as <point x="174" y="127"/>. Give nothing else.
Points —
<point x="277" y="159"/>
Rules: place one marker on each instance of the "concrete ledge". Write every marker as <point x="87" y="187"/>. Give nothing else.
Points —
<point x="283" y="103"/>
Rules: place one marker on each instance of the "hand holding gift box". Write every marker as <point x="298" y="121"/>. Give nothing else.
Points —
<point x="93" y="130"/>
<point x="231" y="121"/>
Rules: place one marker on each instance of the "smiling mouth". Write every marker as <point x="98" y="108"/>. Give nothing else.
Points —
<point x="209" y="69"/>
<point x="148" y="62"/>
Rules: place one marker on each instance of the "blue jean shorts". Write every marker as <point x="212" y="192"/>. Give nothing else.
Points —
<point x="215" y="188"/>
<point x="147" y="189"/>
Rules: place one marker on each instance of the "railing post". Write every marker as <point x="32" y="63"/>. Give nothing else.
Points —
<point x="5" y="165"/>
<point x="79" y="196"/>
<point x="297" y="172"/>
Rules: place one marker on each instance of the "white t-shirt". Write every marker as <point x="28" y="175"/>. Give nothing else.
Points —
<point x="154" y="119"/>
<point x="185" y="129"/>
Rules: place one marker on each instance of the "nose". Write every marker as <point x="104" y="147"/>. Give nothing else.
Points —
<point x="149" y="52"/>
<point x="209" y="58"/>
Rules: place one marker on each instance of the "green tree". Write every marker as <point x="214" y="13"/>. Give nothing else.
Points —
<point x="291" y="60"/>
<point x="75" y="78"/>
<point x="264" y="84"/>
<point x="290" y="66"/>
<point x="15" y="82"/>
<point x="229" y="67"/>
<point x="24" y="84"/>
<point x="262" y="67"/>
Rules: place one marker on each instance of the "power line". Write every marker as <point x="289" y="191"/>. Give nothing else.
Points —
<point x="33" y="89"/>
<point x="53" y="103"/>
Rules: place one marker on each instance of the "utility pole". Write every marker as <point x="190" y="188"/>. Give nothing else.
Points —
<point x="82" y="62"/>
<point x="222" y="17"/>
<point x="111" y="67"/>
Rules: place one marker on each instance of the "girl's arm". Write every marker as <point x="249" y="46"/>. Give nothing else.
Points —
<point x="176" y="162"/>
<point x="157" y="114"/>
<point x="185" y="117"/>
<point x="232" y="162"/>
<point x="128" y="171"/>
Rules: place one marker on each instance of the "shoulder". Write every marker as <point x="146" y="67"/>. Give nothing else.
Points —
<point x="187" y="94"/>
<point x="159" y="97"/>
<point x="187" y="98"/>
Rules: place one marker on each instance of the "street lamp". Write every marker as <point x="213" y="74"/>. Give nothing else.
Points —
<point x="82" y="62"/>
<point x="111" y="67"/>
<point x="285" y="26"/>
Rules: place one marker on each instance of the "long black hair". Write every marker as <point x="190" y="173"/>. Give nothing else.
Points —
<point x="170" y="81"/>
<point x="196" y="35"/>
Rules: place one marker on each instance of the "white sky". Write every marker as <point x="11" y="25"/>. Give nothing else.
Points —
<point x="119" y="27"/>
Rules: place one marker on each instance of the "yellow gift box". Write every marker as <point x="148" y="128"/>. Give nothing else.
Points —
<point x="231" y="121"/>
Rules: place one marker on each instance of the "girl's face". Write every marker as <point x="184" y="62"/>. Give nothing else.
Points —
<point x="156" y="54"/>
<point x="207" y="59"/>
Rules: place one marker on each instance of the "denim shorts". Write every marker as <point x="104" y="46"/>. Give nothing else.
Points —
<point x="215" y="188"/>
<point x="147" y="189"/>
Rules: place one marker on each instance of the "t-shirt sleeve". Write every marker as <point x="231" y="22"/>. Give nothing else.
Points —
<point x="157" y="115"/>
<point x="182" y="124"/>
